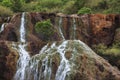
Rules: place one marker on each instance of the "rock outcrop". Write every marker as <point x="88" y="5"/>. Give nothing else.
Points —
<point x="79" y="61"/>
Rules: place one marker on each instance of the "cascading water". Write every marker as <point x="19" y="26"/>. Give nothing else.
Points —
<point x="2" y="27"/>
<point x="24" y="56"/>
<point x="64" y="66"/>
<point x="41" y="68"/>
<point x="59" y="27"/>
<point x="74" y="28"/>
<point x="22" y="28"/>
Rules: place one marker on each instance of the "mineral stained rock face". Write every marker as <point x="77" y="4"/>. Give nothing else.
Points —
<point x="79" y="61"/>
<point x="91" y="29"/>
<point x="103" y="28"/>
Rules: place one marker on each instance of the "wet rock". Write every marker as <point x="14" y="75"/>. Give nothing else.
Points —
<point x="83" y="64"/>
<point x="8" y="61"/>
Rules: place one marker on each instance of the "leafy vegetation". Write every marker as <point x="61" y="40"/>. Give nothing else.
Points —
<point x="112" y="54"/>
<point x="44" y="28"/>
<point x="4" y="11"/>
<point x="85" y="10"/>
<point x="63" y="6"/>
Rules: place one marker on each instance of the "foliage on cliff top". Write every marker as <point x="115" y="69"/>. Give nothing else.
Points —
<point x="63" y="6"/>
<point x="4" y="11"/>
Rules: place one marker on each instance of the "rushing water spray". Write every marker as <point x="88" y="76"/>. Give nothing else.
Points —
<point x="2" y="27"/>
<point x="59" y="27"/>
<point x="24" y="56"/>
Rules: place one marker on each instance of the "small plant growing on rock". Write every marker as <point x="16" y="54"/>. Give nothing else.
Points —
<point x="44" y="28"/>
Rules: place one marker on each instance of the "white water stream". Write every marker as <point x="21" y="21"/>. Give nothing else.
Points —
<point x="23" y="54"/>
<point x="64" y="66"/>
<point x="2" y="27"/>
<point x="74" y="28"/>
<point x="59" y="27"/>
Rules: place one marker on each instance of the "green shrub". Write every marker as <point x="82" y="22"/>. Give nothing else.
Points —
<point x="100" y="48"/>
<point x="44" y="28"/>
<point x="16" y="5"/>
<point x="111" y="53"/>
<point x="4" y="11"/>
<point x="104" y="50"/>
<point x="50" y="3"/>
<point x="29" y="7"/>
<point x="49" y="6"/>
<point x="6" y="3"/>
<point x="113" y="6"/>
<point x="68" y="7"/>
<point x="85" y="10"/>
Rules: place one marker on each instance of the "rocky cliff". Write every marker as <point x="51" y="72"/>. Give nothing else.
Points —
<point x="91" y="29"/>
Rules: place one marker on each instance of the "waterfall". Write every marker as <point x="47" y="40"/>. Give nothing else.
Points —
<point x="59" y="27"/>
<point x="22" y="28"/>
<point x="74" y="28"/>
<point x="2" y="27"/>
<point x="64" y="66"/>
<point x="24" y="56"/>
<point x="40" y="66"/>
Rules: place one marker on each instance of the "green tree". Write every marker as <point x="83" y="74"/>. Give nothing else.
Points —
<point x="1" y="0"/>
<point x="114" y="6"/>
<point x="79" y="4"/>
<point x="5" y="11"/>
<point x="16" y="5"/>
<point x="6" y="3"/>
<point x="28" y="1"/>
<point x="44" y="28"/>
